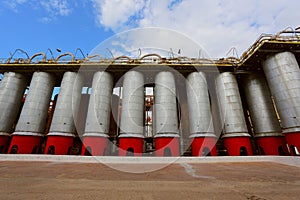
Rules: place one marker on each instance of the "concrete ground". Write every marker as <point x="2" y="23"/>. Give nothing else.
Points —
<point x="188" y="178"/>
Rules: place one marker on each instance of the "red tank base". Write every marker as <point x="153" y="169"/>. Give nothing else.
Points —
<point x="271" y="146"/>
<point x="167" y="146"/>
<point x="238" y="146"/>
<point x="94" y="146"/>
<point x="4" y="143"/>
<point x="25" y="144"/>
<point x="131" y="146"/>
<point x="293" y="141"/>
<point x="59" y="145"/>
<point x="204" y="146"/>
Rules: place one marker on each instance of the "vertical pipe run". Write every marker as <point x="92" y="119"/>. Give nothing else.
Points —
<point x="132" y="116"/>
<point x="236" y="137"/>
<point x="166" y="115"/>
<point x="265" y="123"/>
<point x="62" y="129"/>
<point x="31" y="125"/>
<point x="12" y="88"/>
<point x="283" y="76"/>
<point x="201" y="125"/>
<point x="95" y="140"/>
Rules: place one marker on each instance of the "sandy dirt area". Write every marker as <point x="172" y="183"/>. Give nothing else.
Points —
<point x="59" y="180"/>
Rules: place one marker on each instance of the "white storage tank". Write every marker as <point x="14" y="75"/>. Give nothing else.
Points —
<point x="98" y="116"/>
<point x="132" y="116"/>
<point x="62" y="129"/>
<point x="32" y="122"/>
<point x="266" y="126"/>
<point x="235" y="132"/>
<point x="12" y="88"/>
<point x="200" y="117"/>
<point x="283" y="76"/>
<point x="166" y="115"/>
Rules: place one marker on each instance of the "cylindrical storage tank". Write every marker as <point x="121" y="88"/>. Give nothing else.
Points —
<point x="131" y="138"/>
<point x="166" y="115"/>
<point x="201" y="125"/>
<point x="32" y="122"/>
<point x="12" y="88"/>
<point x="283" y="76"/>
<point x="266" y="126"/>
<point x="236" y="137"/>
<point x="95" y="138"/>
<point x="61" y="134"/>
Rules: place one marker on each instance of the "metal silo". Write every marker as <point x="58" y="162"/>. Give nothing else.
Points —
<point x="95" y="136"/>
<point x="166" y="115"/>
<point x="235" y="132"/>
<point x="266" y="126"/>
<point x="201" y="125"/>
<point x="283" y="76"/>
<point x="62" y="129"/>
<point x="132" y="116"/>
<point x="12" y="88"/>
<point x="32" y="122"/>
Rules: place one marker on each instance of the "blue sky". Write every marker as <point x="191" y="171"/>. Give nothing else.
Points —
<point x="217" y="25"/>
<point x="35" y="29"/>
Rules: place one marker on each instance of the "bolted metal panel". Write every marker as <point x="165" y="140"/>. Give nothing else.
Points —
<point x="67" y="103"/>
<point x="35" y="110"/>
<point x="12" y="88"/>
<point x="230" y="104"/>
<point x="98" y="115"/>
<point x="260" y="105"/>
<point x="166" y="119"/>
<point x="132" y="117"/>
<point x="199" y="104"/>
<point x="283" y="76"/>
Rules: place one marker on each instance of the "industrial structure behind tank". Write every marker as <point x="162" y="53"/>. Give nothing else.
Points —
<point x="228" y="106"/>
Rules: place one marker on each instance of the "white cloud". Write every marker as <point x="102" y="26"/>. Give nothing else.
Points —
<point x="53" y="8"/>
<point x="115" y="14"/>
<point x="149" y="40"/>
<point x="217" y="25"/>
<point x="13" y="4"/>
<point x="56" y="7"/>
<point x="45" y="20"/>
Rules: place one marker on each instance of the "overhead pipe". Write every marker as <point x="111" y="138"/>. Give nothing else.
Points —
<point x="12" y="55"/>
<point x="65" y="54"/>
<point x="36" y="55"/>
